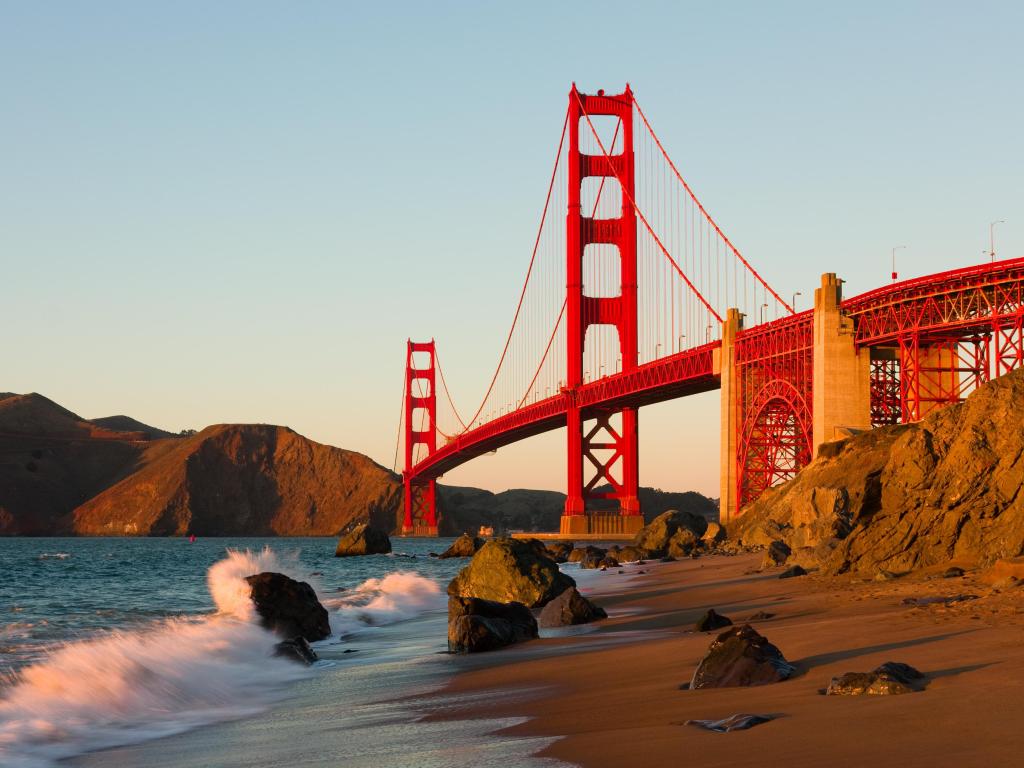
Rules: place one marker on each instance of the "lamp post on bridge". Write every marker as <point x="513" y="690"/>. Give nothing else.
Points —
<point x="707" y="334"/>
<point x="681" y="337"/>
<point x="793" y="303"/>
<point x="896" y="248"/>
<point x="763" y="308"/>
<point x="992" y="238"/>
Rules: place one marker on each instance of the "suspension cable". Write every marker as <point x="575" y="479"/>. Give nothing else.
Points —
<point x="706" y="215"/>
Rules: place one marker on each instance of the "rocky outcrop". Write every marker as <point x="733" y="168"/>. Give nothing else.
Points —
<point x="739" y="657"/>
<point x="464" y="546"/>
<point x="476" y="625"/>
<point x="661" y="532"/>
<point x="570" y="608"/>
<point x="508" y="570"/>
<point x="911" y="496"/>
<point x="890" y="679"/>
<point x="580" y="553"/>
<point x="559" y="551"/>
<point x="288" y="607"/>
<point x="775" y="554"/>
<point x="363" y="540"/>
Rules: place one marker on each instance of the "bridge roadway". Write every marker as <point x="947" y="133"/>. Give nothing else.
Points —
<point x="977" y="299"/>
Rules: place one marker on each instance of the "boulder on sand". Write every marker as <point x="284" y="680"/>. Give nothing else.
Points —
<point x="588" y="551"/>
<point x="655" y="536"/>
<point x="776" y="554"/>
<point x="712" y="620"/>
<point x="713" y="534"/>
<point x="740" y="657"/>
<point x="559" y="551"/>
<point x="466" y="545"/>
<point x="631" y="554"/>
<point x="508" y="570"/>
<point x="682" y="544"/>
<point x="890" y="679"/>
<point x="363" y="540"/>
<point x="568" y="608"/>
<point x="476" y="625"/>
<point x="288" y="607"/>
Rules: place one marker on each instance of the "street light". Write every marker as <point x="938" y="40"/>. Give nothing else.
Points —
<point x="992" y="238"/>
<point x="707" y="335"/>
<point x="681" y="337"/>
<point x="894" y="261"/>
<point x="793" y="305"/>
<point x="763" y="308"/>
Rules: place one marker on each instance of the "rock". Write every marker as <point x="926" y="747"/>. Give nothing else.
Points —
<point x="792" y="571"/>
<point x="712" y="620"/>
<point x="568" y="608"/>
<point x="593" y="557"/>
<point x="1005" y="571"/>
<point x="464" y="546"/>
<point x="476" y="625"/>
<point x="953" y="572"/>
<point x="731" y="723"/>
<point x="713" y="534"/>
<point x="296" y="649"/>
<point x="761" y="616"/>
<point x="911" y="496"/>
<point x="741" y="657"/>
<point x="581" y="552"/>
<point x="604" y="563"/>
<point x="884" y="575"/>
<point x="363" y="540"/>
<point x="507" y="570"/>
<point x="632" y="554"/>
<point x="288" y="607"/>
<point x="666" y="559"/>
<point x="559" y="551"/>
<point x="776" y="554"/>
<point x="655" y="536"/>
<point x="682" y="544"/>
<point x="890" y="679"/>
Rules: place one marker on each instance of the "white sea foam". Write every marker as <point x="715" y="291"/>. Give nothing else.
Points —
<point x="396" y="597"/>
<point x="127" y="687"/>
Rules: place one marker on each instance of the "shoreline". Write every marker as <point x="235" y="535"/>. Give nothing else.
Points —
<point x="611" y="695"/>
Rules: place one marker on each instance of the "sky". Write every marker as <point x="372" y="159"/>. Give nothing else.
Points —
<point x="239" y="212"/>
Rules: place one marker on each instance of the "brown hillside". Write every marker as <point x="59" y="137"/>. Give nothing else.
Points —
<point x="245" y="480"/>
<point x="128" y="424"/>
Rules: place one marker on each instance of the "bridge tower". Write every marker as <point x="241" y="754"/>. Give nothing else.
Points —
<point x="610" y="453"/>
<point x="420" y="429"/>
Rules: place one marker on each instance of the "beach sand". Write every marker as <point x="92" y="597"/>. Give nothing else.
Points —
<point x="614" y="695"/>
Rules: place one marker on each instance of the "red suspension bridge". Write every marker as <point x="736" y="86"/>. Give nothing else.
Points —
<point x="637" y="296"/>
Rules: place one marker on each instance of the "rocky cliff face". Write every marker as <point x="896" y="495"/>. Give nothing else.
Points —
<point x="907" y="497"/>
<point x="245" y="480"/>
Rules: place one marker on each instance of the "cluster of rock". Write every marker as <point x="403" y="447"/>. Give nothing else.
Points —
<point x="361" y="540"/>
<point x="890" y="679"/>
<point x="901" y="498"/>
<point x="491" y="600"/>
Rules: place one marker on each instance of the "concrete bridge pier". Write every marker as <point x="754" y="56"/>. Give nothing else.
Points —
<point x="725" y="368"/>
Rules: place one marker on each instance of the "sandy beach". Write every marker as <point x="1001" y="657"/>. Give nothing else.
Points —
<point x="613" y="694"/>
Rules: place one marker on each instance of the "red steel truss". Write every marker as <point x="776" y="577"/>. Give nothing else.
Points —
<point x="774" y="367"/>
<point x="420" y="430"/>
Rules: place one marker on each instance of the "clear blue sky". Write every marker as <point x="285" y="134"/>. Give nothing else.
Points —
<point x="218" y="212"/>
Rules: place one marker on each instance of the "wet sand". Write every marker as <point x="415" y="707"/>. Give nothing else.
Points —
<point x="613" y="695"/>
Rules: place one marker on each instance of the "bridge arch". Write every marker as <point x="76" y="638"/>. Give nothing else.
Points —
<point x="775" y="438"/>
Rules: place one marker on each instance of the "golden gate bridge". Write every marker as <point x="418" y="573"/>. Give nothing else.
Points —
<point x="634" y="295"/>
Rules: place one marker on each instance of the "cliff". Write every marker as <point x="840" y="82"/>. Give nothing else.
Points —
<point x="908" y="497"/>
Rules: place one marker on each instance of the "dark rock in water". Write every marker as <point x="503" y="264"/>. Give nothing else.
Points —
<point x="464" y="546"/>
<point x="578" y="554"/>
<point x="559" y="551"/>
<point x="569" y="608"/>
<point x="775" y="554"/>
<point x="363" y="540"/>
<point x="793" y="570"/>
<point x="432" y="554"/>
<point x="507" y="570"/>
<point x="890" y="679"/>
<point x="288" y="607"/>
<point x="953" y="572"/>
<point x="739" y="657"/>
<point x="476" y="625"/>
<point x="604" y="563"/>
<point x="731" y="723"/>
<point x="761" y="616"/>
<point x="712" y="620"/>
<point x="296" y="649"/>
<point x="655" y="536"/>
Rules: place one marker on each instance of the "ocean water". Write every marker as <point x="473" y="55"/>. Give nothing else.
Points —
<point x="123" y="652"/>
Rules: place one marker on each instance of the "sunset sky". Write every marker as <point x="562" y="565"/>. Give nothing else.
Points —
<point x="238" y="212"/>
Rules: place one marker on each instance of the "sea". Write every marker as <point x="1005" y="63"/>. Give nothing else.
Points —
<point x="122" y="652"/>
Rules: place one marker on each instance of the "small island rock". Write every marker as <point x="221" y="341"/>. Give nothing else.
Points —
<point x="363" y="540"/>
